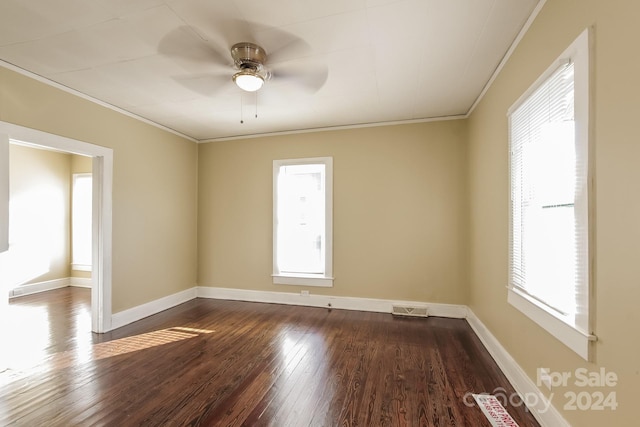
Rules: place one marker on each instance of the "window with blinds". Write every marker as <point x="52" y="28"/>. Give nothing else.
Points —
<point x="549" y="229"/>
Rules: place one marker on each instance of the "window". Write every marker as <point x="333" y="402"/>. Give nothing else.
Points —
<point x="302" y="221"/>
<point x="549" y="269"/>
<point x="4" y="193"/>
<point x="81" y="219"/>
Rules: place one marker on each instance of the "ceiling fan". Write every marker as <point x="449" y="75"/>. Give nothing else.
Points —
<point x="249" y="58"/>
<point x="244" y="61"/>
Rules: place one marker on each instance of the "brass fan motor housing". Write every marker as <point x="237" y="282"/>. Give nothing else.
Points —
<point x="248" y="55"/>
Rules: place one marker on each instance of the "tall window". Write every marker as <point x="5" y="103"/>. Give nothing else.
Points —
<point x="4" y="193"/>
<point x="302" y="221"/>
<point x="81" y="222"/>
<point x="549" y="237"/>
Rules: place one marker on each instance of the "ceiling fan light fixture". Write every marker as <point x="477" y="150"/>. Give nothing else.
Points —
<point x="248" y="80"/>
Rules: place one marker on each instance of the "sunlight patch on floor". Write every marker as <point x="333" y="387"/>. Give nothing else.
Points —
<point x="23" y="367"/>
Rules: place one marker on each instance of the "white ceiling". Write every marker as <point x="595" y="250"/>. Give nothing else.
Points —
<point x="334" y="62"/>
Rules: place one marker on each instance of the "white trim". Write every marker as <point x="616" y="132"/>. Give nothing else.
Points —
<point x="334" y="128"/>
<point x="102" y="210"/>
<point x="337" y="302"/>
<point x="101" y="269"/>
<point x="507" y="55"/>
<point x="49" y="285"/>
<point x="567" y="334"/>
<point x="80" y="267"/>
<point x="80" y="282"/>
<point x="341" y="303"/>
<point x="35" y="288"/>
<point x="86" y="97"/>
<point x="302" y="280"/>
<point x="139" y="312"/>
<point x="544" y="412"/>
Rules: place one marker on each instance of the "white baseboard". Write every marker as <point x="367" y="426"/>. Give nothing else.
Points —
<point x="49" y="285"/>
<point x="340" y="303"/>
<point x="80" y="282"/>
<point x="544" y="411"/>
<point x="35" y="288"/>
<point x="134" y="314"/>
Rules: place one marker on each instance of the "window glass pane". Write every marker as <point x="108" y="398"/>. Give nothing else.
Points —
<point x="550" y="256"/>
<point x="81" y="220"/>
<point x="301" y="219"/>
<point x="554" y="164"/>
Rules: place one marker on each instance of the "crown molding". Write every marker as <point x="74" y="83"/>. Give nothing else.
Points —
<point x="333" y="128"/>
<point x="41" y="79"/>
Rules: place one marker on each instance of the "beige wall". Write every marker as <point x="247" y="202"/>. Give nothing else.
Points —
<point x="617" y="154"/>
<point x="154" y="189"/>
<point x="39" y="218"/>
<point x="399" y="211"/>
<point x="81" y="164"/>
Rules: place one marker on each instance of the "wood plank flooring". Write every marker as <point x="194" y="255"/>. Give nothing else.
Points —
<point x="226" y="363"/>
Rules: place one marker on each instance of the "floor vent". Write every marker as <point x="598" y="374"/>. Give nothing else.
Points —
<point x="403" y="310"/>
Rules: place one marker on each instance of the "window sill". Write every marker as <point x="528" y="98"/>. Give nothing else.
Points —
<point x="80" y="267"/>
<point x="573" y="338"/>
<point x="303" y="280"/>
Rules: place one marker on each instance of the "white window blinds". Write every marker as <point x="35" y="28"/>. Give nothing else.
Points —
<point x="549" y="208"/>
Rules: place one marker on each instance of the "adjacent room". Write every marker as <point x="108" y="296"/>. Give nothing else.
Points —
<point x="363" y="212"/>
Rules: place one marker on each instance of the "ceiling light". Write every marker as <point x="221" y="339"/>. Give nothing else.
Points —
<point x="248" y="80"/>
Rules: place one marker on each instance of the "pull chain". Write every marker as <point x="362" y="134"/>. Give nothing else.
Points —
<point x="242" y="107"/>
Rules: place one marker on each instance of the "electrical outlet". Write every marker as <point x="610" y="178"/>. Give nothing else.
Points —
<point x="304" y="293"/>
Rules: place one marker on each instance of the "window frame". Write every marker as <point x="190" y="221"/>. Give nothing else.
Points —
<point x="302" y="279"/>
<point x="579" y="335"/>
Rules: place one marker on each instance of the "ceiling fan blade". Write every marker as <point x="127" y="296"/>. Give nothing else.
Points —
<point x="187" y="44"/>
<point x="290" y="47"/>
<point x="309" y="75"/>
<point x="233" y="31"/>
<point x="204" y="84"/>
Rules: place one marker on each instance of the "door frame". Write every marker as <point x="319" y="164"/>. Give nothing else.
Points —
<point x="102" y="170"/>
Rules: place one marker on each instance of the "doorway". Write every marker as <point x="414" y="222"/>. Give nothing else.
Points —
<point x="102" y="172"/>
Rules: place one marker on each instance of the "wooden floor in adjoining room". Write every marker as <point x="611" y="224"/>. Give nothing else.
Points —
<point x="210" y="362"/>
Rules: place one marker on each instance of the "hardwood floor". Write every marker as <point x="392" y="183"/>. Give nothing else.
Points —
<point x="209" y="363"/>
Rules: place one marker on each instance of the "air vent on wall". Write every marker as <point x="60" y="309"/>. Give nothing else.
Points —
<point x="403" y="310"/>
